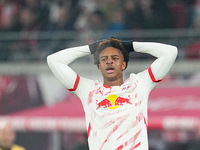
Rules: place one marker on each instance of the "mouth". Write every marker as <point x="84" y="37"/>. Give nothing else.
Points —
<point x="110" y="70"/>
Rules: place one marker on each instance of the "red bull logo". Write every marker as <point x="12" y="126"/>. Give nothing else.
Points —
<point x="113" y="102"/>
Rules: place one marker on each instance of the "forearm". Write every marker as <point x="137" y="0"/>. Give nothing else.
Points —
<point x="59" y="61"/>
<point x="68" y="55"/>
<point x="166" y="55"/>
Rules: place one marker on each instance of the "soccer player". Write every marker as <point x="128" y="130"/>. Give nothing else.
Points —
<point x="115" y="110"/>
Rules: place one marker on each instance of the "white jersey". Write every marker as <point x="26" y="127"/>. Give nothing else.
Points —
<point x="116" y="116"/>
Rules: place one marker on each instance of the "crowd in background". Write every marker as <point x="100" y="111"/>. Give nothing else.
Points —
<point x="84" y="17"/>
<point x="36" y="15"/>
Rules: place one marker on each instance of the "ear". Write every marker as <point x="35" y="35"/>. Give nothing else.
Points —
<point x="123" y="65"/>
<point x="98" y="66"/>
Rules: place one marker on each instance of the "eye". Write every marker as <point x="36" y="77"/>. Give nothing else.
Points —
<point x="115" y="58"/>
<point x="103" y="59"/>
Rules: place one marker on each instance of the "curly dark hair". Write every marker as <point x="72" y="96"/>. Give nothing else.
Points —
<point x="111" y="42"/>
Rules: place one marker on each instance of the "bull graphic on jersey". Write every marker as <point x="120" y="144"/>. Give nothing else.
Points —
<point x="113" y="102"/>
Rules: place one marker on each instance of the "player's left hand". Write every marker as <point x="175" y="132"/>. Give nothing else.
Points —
<point x="128" y="45"/>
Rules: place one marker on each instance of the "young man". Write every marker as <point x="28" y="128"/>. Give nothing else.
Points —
<point x="115" y="110"/>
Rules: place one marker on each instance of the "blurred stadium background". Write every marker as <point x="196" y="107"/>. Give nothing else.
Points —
<point x="48" y="117"/>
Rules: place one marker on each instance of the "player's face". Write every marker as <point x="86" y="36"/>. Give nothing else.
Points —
<point x="111" y="64"/>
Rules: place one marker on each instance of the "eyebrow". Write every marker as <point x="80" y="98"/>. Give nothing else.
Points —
<point x="111" y="56"/>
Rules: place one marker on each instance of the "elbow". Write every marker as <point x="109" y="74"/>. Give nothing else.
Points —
<point x="173" y="51"/>
<point x="50" y="60"/>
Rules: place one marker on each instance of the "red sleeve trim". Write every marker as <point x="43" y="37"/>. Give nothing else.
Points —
<point x="89" y="129"/>
<point x="145" y="122"/>
<point x="152" y="76"/>
<point x="76" y="83"/>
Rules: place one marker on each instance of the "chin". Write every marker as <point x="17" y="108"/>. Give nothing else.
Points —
<point x="110" y="78"/>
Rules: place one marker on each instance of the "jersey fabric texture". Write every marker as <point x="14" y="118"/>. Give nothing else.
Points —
<point x="116" y="117"/>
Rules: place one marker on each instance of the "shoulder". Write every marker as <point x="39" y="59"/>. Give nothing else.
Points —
<point x="133" y="77"/>
<point x="86" y="83"/>
<point x="17" y="147"/>
<point x="142" y="80"/>
<point x="85" y="86"/>
<point x="132" y="80"/>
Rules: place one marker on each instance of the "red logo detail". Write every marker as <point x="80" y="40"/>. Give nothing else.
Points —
<point x="121" y="101"/>
<point x="113" y="102"/>
<point x="104" y="104"/>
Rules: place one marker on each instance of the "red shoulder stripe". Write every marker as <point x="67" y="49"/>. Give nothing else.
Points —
<point x="152" y="76"/>
<point x="75" y="84"/>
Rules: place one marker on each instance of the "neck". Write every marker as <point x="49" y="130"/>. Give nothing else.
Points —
<point x="113" y="83"/>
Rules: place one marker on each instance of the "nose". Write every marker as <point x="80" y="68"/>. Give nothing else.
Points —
<point x="109" y="61"/>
